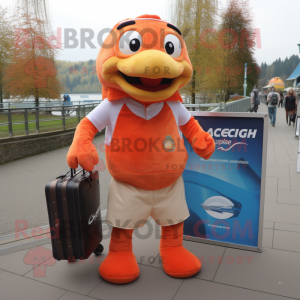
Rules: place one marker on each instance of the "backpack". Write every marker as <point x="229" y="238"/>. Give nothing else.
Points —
<point x="256" y="98"/>
<point x="293" y="117"/>
<point x="274" y="99"/>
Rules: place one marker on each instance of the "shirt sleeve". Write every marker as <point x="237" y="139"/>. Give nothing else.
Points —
<point x="100" y="116"/>
<point x="183" y="115"/>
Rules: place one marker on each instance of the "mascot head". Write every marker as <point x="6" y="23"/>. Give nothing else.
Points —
<point x="145" y="59"/>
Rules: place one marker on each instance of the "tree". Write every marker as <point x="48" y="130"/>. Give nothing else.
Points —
<point x="84" y="79"/>
<point x="278" y="68"/>
<point x="194" y="17"/>
<point x="37" y="9"/>
<point x="32" y="71"/>
<point x="236" y="47"/>
<point x="6" y="45"/>
<point x="68" y="82"/>
<point x="218" y="56"/>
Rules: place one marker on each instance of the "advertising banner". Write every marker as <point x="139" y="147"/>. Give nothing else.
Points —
<point x="225" y="194"/>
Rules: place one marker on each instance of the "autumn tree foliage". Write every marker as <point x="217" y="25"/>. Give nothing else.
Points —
<point x="236" y="47"/>
<point x="194" y="17"/>
<point x="38" y="9"/>
<point x="219" y="42"/>
<point x="6" y="45"/>
<point x="79" y="76"/>
<point x="32" y="71"/>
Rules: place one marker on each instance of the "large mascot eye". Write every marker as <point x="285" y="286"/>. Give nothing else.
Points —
<point x="130" y="42"/>
<point x="172" y="45"/>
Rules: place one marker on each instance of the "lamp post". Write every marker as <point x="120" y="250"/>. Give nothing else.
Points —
<point x="245" y="80"/>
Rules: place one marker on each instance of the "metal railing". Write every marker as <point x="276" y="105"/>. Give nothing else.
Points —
<point x="34" y="120"/>
<point x="242" y="105"/>
<point x="27" y="104"/>
<point x="199" y="107"/>
<point x="16" y="120"/>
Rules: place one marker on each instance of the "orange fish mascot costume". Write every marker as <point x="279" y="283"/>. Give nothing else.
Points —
<point x="141" y="66"/>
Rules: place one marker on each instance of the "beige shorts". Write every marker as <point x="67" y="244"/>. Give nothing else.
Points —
<point x="130" y="207"/>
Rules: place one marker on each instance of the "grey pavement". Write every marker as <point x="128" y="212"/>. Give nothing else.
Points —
<point x="226" y="273"/>
<point x="23" y="183"/>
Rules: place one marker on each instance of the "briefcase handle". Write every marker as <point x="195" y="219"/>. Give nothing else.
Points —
<point x="73" y="172"/>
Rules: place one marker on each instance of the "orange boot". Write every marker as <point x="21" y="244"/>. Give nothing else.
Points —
<point x="177" y="261"/>
<point x="120" y="265"/>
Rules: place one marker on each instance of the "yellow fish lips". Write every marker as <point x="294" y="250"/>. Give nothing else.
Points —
<point x="148" y="76"/>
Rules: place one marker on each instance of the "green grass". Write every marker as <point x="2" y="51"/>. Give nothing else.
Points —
<point x="47" y="123"/>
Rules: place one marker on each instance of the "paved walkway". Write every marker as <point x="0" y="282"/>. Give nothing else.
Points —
<point x="226" y="273"/>
<point x="23" y="187"/>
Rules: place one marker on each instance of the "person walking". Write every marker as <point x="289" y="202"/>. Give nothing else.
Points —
<point x="67" y="100"/>
<point x="272" y="101"/>
<point x="291" y="103"/>
<point x="281" y="99"/>
<point x="254" y="99"/>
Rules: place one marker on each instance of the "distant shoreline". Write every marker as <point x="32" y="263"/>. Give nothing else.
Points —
<point x="82" y="93"/>
<point x="74" y="97"/>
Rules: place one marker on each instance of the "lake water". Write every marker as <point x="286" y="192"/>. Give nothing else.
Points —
<point x="77" y="97"/>
<point x="74" y="97"/>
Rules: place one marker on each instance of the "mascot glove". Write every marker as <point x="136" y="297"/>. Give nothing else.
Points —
<point x="82" y="150"/>
<point x="201" y="141"/>
<point x="203" y="144"/>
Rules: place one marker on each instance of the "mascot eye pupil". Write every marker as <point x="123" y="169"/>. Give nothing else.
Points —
<point x="134" y="45"/>
<point x="173" y="45"/>
<point x="130" y="42"/>
<point x="169" y="48"/>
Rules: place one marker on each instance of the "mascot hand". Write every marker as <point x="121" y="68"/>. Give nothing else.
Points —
<point x="201" y="141"/>
<point x="82" y="150"/>
<point x="84" y="153"/>
<point x="203" y="144"/>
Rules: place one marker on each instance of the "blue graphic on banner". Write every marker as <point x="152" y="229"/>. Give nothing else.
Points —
<point x="223" y="192"/>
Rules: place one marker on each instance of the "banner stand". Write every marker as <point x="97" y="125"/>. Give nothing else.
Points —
<point x="225" y="194"/>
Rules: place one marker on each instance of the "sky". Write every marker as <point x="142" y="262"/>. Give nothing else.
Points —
<point x="277" y="23"/>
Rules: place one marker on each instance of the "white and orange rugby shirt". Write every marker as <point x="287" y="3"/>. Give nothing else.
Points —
<point x="144" y="145"/>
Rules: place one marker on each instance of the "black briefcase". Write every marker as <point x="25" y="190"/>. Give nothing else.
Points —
<point x="73" y="202"/>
